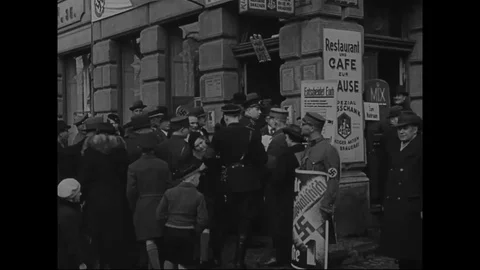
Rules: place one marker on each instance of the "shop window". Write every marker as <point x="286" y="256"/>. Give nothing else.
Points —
<point x="384" y="17"/>
<point x="130" y="70"/>
<point x="78" y="75"/>
<point x="185" y="75"/>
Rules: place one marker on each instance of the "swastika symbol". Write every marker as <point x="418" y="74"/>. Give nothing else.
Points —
<point x="303" y="229"/>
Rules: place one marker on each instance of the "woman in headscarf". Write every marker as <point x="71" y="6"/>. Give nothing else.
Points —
<point x="104" y="178"/>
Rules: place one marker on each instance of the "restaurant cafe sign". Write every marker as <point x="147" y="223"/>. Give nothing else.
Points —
<point x="273" y="8"/>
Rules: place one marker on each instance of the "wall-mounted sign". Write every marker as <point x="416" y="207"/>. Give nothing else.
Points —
<point x="378" y="91"/>
<point x="372" y="111"/>
<point x="275" y="8"/>
<point x="69" y="12"/>
<point x="344" y="3"/>
<point x="259" y="48"/>
<point x="102" y="9"/>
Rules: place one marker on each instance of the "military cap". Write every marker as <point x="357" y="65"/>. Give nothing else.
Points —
<point x="147" y="141"/>
<point x="179" y="122"/>
<point x="401" y="91"/>
<point x="61" y="126"/>
<point x="114" y="117"/>
<point x="231" y="109"/>
<point x="92" y="122"/>
<point x="140" y="121"/>
<point x="159" y="111"/>
<point x="197" y="111"/>
<point x="79" y="119"/>
<point x="137" y="104"/>
<point x="238" y="98"/>
<point x="394" y="111"/>
<point x="408" y="118"/>
<point x="294" y="132"/>
<point x="253" y="100"/>
<point x="314" y="119"/>
<point x="106" y="128"/>
<point x="278" y="114"/>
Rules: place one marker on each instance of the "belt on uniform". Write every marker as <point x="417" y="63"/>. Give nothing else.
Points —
<point x="150" y="195"/>
<point x="233" y="166"/>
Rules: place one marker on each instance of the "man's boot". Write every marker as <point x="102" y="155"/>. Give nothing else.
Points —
<point x="240" y="252"/>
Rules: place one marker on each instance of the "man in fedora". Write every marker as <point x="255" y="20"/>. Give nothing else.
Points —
<point x="140" y="126"/>
<point x="401" y="98"/>
<point x="176" y="151"/>
<point x="136" y="109"/>
<point x="160" y="122"/>
<point x="401" y="236"/>
<point x="252" y="106"/>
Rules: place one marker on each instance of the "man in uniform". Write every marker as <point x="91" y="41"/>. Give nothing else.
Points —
<point x="159" y="122"/>
<point x="253" y="111"/>
<point x="321" y="156"/>
<point x="176" y="151"/>
<point x="241" y="155"/>
<point x="79" y="120"/>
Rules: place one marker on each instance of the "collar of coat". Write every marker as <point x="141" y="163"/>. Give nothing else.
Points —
<point x="186" y="185"/>
<point x="317" y="140"/>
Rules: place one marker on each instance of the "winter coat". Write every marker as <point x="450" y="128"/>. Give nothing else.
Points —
<point x="401" y="236"/>
<point x="147" y="182"/>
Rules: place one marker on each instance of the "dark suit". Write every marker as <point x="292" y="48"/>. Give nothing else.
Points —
<point x="178" y="155"/>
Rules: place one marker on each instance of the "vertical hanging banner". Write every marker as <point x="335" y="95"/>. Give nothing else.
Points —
<point x="321" y="97"/>
<point x="343" y="62"/>
<point x="308" y="245"/>
<point x="102" y="9"/>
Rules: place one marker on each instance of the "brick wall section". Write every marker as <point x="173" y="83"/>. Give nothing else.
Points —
<point x="415" y="59"/>
<point x="105" y="76"/>
<point x="218" y="31"/>
<point x="153" y="44"/>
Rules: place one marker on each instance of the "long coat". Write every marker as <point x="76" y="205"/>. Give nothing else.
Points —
<point x="109" y="221"/>
<point x="147" y="182"/>
<point x="401" y="236"/>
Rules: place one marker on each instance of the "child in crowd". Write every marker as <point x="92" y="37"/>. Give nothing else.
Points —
<point x="182" y="213"/>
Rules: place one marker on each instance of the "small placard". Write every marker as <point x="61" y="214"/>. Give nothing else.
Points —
<point x="372" y="111"/>
<point x="213" y="86"/>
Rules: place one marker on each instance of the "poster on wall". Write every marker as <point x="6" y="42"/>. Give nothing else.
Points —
<point x="343" y="62"/>
<point x="102" y="9"/>
<point x="320" y="96"/>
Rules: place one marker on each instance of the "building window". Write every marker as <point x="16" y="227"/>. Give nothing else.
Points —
<point x="131" y="69"/>
<point x="78" y="70"/>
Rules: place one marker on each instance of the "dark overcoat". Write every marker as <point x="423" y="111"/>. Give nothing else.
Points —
<point x="147" y="182"/>
<point x="178" y="155"/>
<point x="401" y="236"/>
<point x="108" y="218"/>
<point x="133" y="139"/>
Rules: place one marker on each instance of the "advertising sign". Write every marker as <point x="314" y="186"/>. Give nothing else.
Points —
<point x="275" y="8"/>
<point x="378" y="91"/>
<point x="102" y="9"/>
<point x="343" y="62"/>
<point x="308" y="245"/>
<point x="372" y="111"/>
<point x="321" y="97"/>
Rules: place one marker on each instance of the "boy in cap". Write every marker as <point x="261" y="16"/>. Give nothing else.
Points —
<point x="70" y="248"/>
<point x="146" y="184"/>
<point x="183" y="214"/>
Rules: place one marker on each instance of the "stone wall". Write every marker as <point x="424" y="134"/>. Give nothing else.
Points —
<point x="415" y="59"/>
<point x="105" y="76"/>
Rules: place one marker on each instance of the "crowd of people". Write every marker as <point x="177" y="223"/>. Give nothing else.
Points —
<point x="141" y="195"/>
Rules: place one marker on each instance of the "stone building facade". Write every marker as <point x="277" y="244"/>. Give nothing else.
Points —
<point x="167" y="50"/>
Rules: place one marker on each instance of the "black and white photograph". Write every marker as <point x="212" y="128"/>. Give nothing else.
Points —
<point x="239" y="134"/>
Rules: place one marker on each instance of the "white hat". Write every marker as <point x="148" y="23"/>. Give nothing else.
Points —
<point x="68" y="188"/>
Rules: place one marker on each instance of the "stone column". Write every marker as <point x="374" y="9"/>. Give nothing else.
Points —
<point x="220" y="80"/>
<point x="105" y="77"/>
<point x="153" y="46"/>
<point x="301" y="47"/>
<point x="415" y="59"/>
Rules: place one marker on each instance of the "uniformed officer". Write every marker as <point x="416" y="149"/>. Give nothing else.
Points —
<point x="321" y="156"/>
<point x="176" y="151"/>
<point x="241" y="155"/>
<point x="252" y="113"/>
<point x="160" y="123"/>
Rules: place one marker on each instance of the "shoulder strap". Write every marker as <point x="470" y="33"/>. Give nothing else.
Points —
<point x="248" y="145"/>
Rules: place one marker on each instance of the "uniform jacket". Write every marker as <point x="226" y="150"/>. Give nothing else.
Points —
<point x="233" y="142"/>
<point x="178" y="155"/>
<point x="146" y="184"/>
<point x="277" y="146"/>
<point x="71" y="241"/>
<point x="160" y="135"/>
<point x="249" y="122"/>
<point x="321" y="156"/>
<point x="183" y="207"/>
<point x="401" y="236"/>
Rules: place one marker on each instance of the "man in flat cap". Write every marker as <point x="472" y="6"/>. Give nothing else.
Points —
<point x="160" y="122"/>
<point x="401" y="236"/>
<point x="176" y="151"/>
<point x="252" y="113"/>
<point x="242" y="156"/>
<point x="321" y="156"/>
<point x="401" y="98"/>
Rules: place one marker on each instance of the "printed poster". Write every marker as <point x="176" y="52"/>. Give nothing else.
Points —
<point x="320" y="96"/>
<point x="343" y="62"/>
<point x="372" y="111"/>
<point x="102" y="9"/>
<point x="309" y="239"/>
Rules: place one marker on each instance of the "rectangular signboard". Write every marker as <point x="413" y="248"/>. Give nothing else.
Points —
<point x="276" y="8"/>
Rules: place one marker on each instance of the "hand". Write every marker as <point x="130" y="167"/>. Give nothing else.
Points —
<point x="82" y="266"/>
<point x="203" y="167"/>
